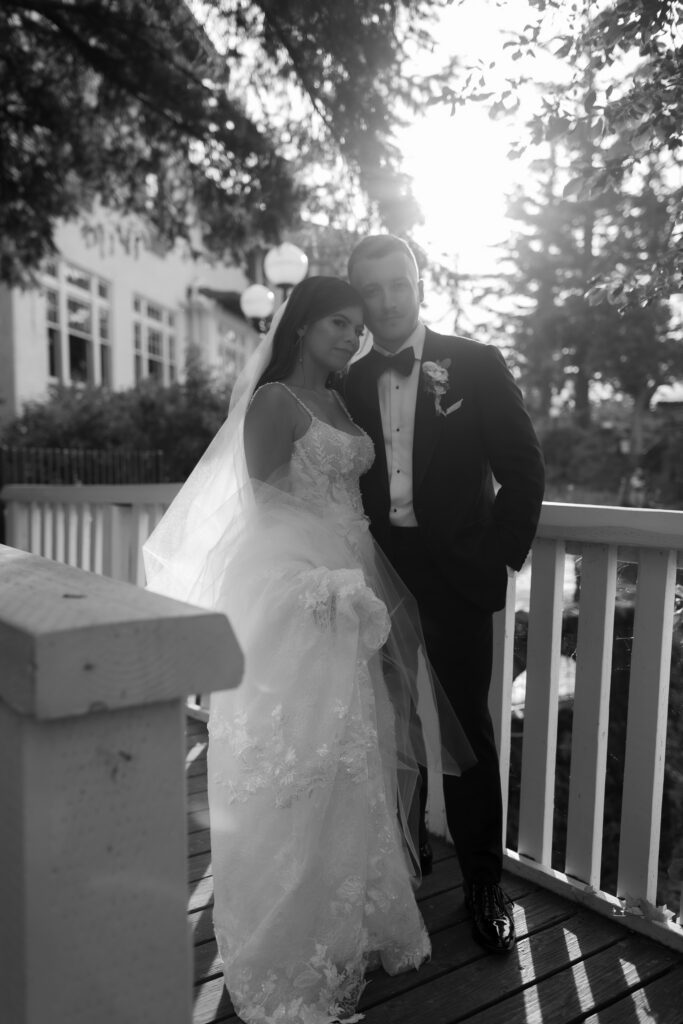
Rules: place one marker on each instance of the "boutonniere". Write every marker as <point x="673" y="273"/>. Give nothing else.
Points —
<point x="436" y="380"/>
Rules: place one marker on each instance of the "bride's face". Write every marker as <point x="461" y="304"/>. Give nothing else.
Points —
<point x="333" y="340"/>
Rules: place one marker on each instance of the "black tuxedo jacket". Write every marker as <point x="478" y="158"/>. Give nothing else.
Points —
<point x="472" y="530"/>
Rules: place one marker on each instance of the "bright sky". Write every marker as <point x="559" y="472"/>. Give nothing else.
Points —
<point x="461" y="176"/>
<point x="459" y="163"/>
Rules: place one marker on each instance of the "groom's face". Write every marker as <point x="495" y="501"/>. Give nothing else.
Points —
<point x="391" y="293"/>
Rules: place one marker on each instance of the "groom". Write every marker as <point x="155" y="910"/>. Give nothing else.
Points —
<point x="446" y="418"/>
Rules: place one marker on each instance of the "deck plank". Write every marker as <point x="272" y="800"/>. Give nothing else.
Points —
<point x="594" y="981"/>
<point x="569" y="965"/>
<point x="199" y="866"/>
<point x="199" y="842"/>
<point x="483" y="981"/>
<point x="196" y="784"/>
<point x="454" y="949"/>
<point x="660" y="1001"/>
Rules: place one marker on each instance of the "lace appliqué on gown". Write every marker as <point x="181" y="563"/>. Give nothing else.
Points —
<point x="311" y="874"/>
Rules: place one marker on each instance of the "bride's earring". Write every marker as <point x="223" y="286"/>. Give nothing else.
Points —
<point x="300" y="344"/>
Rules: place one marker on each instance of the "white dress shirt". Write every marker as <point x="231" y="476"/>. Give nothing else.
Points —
<point x="397" y="398"/>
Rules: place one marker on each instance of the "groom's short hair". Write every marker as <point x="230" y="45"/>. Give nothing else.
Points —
<point x="374" y="247"/>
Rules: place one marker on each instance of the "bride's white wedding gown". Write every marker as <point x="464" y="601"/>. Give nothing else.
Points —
<point x="312" y="877"/>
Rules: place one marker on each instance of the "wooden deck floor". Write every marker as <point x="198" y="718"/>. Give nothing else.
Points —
<point x="569" y="964"/>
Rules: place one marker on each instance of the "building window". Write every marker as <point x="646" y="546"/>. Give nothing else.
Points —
<point x="79" y="320"/>
<point x="154" y="342"/>
<point x="78" y="325"/>
<point x="53" y="333"/>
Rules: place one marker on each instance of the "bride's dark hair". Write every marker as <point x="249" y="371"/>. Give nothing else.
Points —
<point x="310" y="300"/>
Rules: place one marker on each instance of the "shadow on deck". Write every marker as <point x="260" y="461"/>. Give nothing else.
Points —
<point x="569" y="964"/>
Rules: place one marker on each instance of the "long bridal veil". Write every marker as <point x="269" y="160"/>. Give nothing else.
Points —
<point x="214" y="503"/>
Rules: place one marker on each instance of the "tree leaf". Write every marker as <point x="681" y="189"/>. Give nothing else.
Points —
<point x="574" y="187"/>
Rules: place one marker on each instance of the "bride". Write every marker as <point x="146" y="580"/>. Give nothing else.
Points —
<point x="314" y="759"/>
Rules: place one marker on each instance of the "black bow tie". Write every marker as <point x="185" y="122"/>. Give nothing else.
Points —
<point x="402" y="362"/>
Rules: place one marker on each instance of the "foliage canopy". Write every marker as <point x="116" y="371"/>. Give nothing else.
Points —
<point x="213" y="113"/>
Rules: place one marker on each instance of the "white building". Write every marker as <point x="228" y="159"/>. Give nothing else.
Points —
<point x="114" y="310"/>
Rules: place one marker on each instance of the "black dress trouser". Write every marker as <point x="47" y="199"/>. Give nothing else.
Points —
<point x="459" y="640"/>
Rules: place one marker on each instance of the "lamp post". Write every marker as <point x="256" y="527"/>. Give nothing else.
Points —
<point x="257" y="303"/>
<point x="284" y="266"/>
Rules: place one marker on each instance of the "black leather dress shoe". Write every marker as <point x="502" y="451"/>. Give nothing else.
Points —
<point x="426" y="858"/>
<point x="492" y="923"/>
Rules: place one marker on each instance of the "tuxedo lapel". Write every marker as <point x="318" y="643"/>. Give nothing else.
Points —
<point x="428" y="423"/>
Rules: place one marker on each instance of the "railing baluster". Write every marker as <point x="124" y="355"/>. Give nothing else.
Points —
<point x="18" y="522"/>
<point x="46" y="517"/>
<point x="34" y="528"/>
<point x="71" y="529"/>
<point x="591" y="713"/>
<point x="641" y="807"/>
<point x="83" y="556"/>
<point x="540" y="717"/>
<point x="140" y="530"/>
<point x="97" y="539"/>
<point x="59" y="533"/>
<point x="501" y="686"/>
<point x="116" y="542"/>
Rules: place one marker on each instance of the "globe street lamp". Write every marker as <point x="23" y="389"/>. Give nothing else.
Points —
<point x="257" y="303"/>
<point x="285" y="266"/>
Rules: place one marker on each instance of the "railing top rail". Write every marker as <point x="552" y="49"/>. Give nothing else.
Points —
<point x="98" y="494"/>
<point x="589" y="524"/>
<point x="607" y="524"/>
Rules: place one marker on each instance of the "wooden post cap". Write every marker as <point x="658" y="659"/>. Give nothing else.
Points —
<point x="72" y="642"/>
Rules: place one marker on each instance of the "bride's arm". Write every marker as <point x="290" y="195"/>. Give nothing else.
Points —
<point x="269" y="432"/>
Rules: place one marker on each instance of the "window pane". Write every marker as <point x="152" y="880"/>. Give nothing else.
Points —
<point x="154" y="343"/>
<point x="79" y="316"/>
<point x="137" y="335"/>
<point x="79" y="359"/>
<point x="155" y="369"/>
<point x="103" y="290"/>
<point x="77" y="278"/>
<point x="50" y="268"/>
<point x="138" y="369"/>
<point x="171" y="348"/>
<point x="104" y="324"/>
<point x="105" y="365"/>
<point x="171" y="319"/>
<point x="136" y="304"/>
<point x="53" y="351"/>
<point x="153" y="312"/>
<point x="52" y="307"/>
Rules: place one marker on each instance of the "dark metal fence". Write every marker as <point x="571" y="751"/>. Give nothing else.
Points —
<point x="76" y="466"/>
<point x="79" y="466"/>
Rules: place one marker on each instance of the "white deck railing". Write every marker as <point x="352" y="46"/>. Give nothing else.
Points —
<point x="102" y="528"/>
<point x="93" y="881"/>
<point x="98" y="527"/>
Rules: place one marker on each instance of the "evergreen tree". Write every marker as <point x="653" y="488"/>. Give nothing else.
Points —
<point x="621" y="66"/>
<point x="570" y="330"/>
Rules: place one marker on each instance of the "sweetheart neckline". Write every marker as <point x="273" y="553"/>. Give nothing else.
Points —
<point x="337" y="430"/>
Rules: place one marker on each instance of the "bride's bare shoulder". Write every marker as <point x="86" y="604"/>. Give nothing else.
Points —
<point x="273" y="401"/>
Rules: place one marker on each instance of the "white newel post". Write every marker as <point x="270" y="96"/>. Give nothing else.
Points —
<point x="94" y="675"/>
